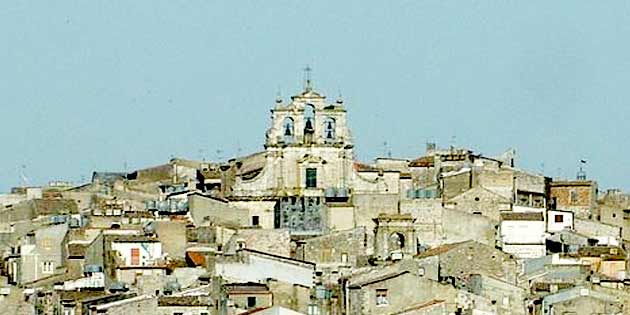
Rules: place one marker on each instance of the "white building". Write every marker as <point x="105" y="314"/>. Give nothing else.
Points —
<point x="137" y="250"/>
<point x="255" y="266"/>
<point x="523" y="234"/>
<point x="558" y="220"/>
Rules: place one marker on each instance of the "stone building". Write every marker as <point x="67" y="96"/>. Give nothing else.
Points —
<point x="614" y="209"/>
<point x="578" y="196"/>
<point x="390" y="291"/>
<point x="582" y="301"/>
<point x="458" y="261"/>
<point x="350" y="248"/>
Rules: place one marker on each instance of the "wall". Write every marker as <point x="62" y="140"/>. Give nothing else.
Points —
<point x="566" y="221"/>
<point x="479" y="200"/>
<point x="256" y="267"/>
<point x="402" y="291"/>
<point x="584" y="206"/>
<point x="239" y="300"/>
<point x="328" y="249"/>
<point x="522" y="232"/>
<point x="275" y="242"/>
<point x="460" y="226"/>
<point x="369" y="206"/>
<point x="339" y="217"/>
<point x="141" y="305"/>
<point x="263" y="209"/>
<point x="475" y="258"/>
<point x="595" y="229"/>
<point x="206" y="210"/>
<point x="525" y="251"/>
<point x="149" y="251"/>
<point x="172" y="235"/>
<point x="291" y="296"/>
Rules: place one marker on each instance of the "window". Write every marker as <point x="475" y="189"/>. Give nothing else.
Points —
<point x="48" y="267"/>
<point x="313" y="310"/>
<point x="573" y="196"/>
<point x="178" y="313"/>
<point x="255" y="220"/>
<point x="344" y="258"/>
<point x="421" y="271"/>
<point x="558" y="218"/>
<point x="251" y="301"/>
<point x="135" y="256"/>
<point x="381" y="297"/>
<point x="311" y="177"/>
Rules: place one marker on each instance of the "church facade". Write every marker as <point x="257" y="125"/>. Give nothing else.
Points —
<point x="306" y="177"/>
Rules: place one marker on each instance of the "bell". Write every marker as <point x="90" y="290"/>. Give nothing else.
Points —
<point x="309" y="125"/>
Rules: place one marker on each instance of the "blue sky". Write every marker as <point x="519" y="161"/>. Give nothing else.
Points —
<point x="109" y="85"/>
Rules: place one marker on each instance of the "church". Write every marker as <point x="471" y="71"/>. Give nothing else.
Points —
<point x="306" y="179"/>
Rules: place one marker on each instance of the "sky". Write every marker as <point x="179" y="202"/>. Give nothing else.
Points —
<point x="121" y="85"/>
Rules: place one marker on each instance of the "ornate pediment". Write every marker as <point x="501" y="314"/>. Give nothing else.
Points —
<point x="311" y="159"/>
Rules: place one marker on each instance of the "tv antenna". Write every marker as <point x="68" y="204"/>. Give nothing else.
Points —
<point x="22" y="171"/>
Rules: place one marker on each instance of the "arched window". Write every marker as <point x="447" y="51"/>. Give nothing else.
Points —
<point x="329" y="129"/>
<point x="288" y="132"/>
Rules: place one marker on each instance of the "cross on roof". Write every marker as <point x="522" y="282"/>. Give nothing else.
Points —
<point x="307" y="77"/>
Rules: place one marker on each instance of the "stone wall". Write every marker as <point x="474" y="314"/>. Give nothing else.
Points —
<point x="369" y="206"/>
<point x="172" y="235"/>
<point x="475" y="258"/>
<point x="331" y="248"/>
<point x="206" y="210"/>
<point x="275" y="242"/>
<point x="402" y="291"/>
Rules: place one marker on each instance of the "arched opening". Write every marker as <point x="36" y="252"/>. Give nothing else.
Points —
<point x="396" y="242"/>
<point x="289" y="134"/>
<point x="329" y="129"/>
<point x="309" y="123"/>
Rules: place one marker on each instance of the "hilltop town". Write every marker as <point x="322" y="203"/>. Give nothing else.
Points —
<point x="301" y="227"/>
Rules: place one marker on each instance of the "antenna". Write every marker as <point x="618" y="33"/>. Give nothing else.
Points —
<point x="22" y="171"/>
<point x="387" y="150"/>
<point x="453" y="141"/>
<point x="581" y="174"/>
<point x="238" y="148"/>
<point x="279" y="95"/>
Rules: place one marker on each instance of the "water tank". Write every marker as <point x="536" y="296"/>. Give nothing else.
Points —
<point x="342" y="192"/>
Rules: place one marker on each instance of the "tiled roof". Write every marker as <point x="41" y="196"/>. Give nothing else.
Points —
<point x="439" y="250"/>
<point x="184" y="301"/>
<point x="522" y="216"/>
<point x="423" y="161"/>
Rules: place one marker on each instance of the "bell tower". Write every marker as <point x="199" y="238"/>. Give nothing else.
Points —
<point x="308" y="120"/>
